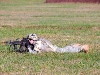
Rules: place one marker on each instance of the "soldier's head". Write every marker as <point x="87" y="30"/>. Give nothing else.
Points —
<point x="32" y="38"/>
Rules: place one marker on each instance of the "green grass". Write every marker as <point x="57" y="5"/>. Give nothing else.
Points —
<point x="62" y="24"/>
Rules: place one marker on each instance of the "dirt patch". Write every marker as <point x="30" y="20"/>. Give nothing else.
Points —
<point x="96" y="28"/>
<point x="4" y="0"/>
<point x="7" y="26"/>
<point x="4" y="73"/>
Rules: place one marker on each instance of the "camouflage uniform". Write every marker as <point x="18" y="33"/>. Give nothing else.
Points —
<point x="48" y="47"/>
<point x="69" y="48"/>
<point x="43" y="45"/>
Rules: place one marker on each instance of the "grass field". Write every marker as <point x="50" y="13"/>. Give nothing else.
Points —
<point x="62" y="24"/>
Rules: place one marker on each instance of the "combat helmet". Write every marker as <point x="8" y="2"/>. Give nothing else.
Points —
<point x="32" y="36"/>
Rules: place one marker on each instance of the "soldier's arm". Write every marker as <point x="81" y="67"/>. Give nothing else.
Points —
<point x="32" y="51"/>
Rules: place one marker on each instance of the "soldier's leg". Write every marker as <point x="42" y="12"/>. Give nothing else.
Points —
<point x="84" y="48"/>
<point x="70" y="48"/>
<point x="73" y="48"/>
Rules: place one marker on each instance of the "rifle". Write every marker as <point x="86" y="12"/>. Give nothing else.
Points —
<point x="13" y="44"/>
<point x="17" y="45"/>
